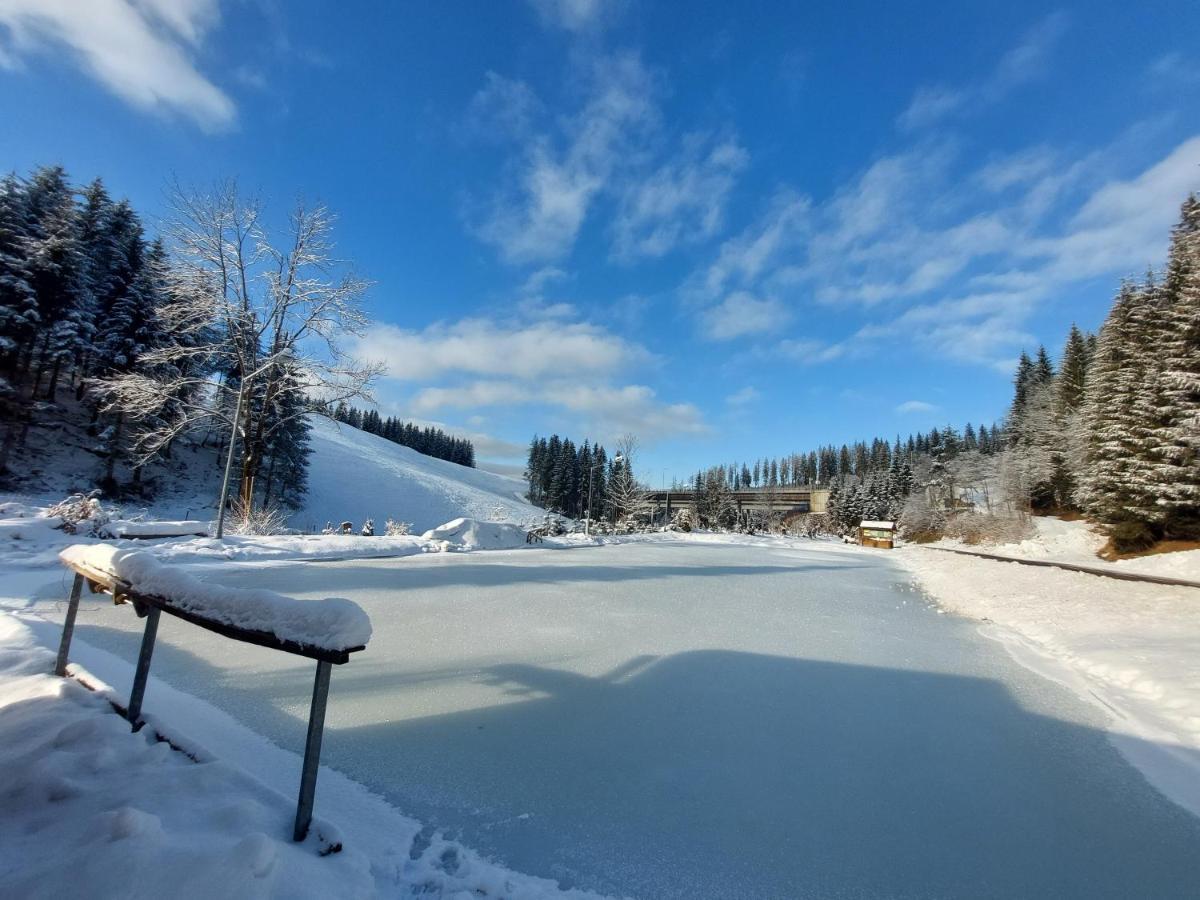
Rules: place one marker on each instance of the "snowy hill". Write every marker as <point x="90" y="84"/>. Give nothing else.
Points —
<point x="354" y="475"/>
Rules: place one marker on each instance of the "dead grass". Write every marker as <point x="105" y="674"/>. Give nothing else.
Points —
<point x="1109" y="553"/>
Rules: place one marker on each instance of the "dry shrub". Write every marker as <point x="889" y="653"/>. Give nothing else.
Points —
<point x="392" y="528"/>
<point x="77" y="510"/>
<point x="1131" y="537"/>
<point x="978" y="528"/>
<point x="260" y="521"/>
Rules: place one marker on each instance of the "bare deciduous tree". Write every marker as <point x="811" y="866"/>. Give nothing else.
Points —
<point x="626" y="497"/>
<point x="251" y="319"/>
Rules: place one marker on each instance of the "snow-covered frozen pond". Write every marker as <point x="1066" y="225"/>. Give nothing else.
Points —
<point x="691" y="719"/>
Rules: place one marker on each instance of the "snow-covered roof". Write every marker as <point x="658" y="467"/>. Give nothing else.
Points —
<point x="330" y="624"/>
<point x="879" y="524"/>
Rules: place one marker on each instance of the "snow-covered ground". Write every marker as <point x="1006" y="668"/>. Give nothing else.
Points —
<point x="675" y="716"/>
<point x="355" y="476"/>
<point x="1078" y="542"/>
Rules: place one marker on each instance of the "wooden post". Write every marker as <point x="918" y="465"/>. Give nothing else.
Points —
<point x="312" y="751"/>
<point x="142" y="673"/>
<point x="64" y="646"/>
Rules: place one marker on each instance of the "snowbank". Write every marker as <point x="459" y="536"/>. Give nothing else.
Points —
<point x="1134" y="646"/>
<point x="1057" y="540"/>
<point x="468" y="534"/>
<point x="1184" y="564"/>
<point x="332" y="624"/>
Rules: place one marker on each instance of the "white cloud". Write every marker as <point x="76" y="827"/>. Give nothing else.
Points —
<point x="930" y="104"/>
<point x="575" y="15"/>
<point x="976" y="251"/>
<point x="743" y="259"/>
<point x="141" y="50"/>
<point x="1024" y="63"/>
<point x="1124" y="225"/>
<point x="742" y="313"/>
<point x="559" y="176"/>
<point x="488" y="347"/>
<point x="680" y="202"/>
<point x="744" y="397"/>
<point x="808" y="351"/>
<point x="603" y="410"/>
<point x="915" y="406"/>
<point x="1027" y="61"/>
<point x="503" y="109"/>
<point x="1173" y="69"/>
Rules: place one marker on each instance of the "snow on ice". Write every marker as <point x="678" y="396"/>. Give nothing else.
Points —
<point x="469" y="534"/>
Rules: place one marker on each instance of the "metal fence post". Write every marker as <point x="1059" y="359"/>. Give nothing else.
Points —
<point x="142" y="672"/>
<point x="312" y="751"/>
<point x="64" y="646"/>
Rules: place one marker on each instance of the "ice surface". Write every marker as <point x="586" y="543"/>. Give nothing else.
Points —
<point x="332" y="623"/>
<point x="704" y="718"/>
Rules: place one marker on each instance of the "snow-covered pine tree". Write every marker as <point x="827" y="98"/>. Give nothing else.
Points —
<point x="1105" y="488"/>
<point x="1021" y="382"/>
<point x="286" y="453"/>
<point x="58" y="277"/>
<point x="19" y="318"/>
<point x="1178" y="476"/>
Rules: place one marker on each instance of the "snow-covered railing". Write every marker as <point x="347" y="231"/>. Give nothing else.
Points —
<point x="326" y="630"/>
<point x="122" y="528"/>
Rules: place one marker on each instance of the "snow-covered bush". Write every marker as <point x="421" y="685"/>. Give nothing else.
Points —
<point x="329" y="529"/>
<point x="392" y="528"/>
<point x="78" y="509"/>
<point x="368" y="528"/>
<point x="920" y="521"/>
<point x="260" y="520"/>
<point x="683" y="520"/>
<point x="980" y="528"/>
<point x="812" y="525"/>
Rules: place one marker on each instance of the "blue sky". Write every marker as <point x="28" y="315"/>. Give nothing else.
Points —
<point x="733" y="230"/>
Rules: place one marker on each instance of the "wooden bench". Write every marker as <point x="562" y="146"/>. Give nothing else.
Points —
<point x="150" y="607"/>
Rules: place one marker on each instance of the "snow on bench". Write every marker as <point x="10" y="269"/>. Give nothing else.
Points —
<point x="124" y="528"/>
<point x="333" y="624"/>
<point x="326" y="630"/>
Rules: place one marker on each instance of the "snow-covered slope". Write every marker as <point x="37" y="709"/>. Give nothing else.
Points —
<point x="354" y="476"/>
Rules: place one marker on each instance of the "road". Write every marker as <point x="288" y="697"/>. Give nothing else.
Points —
<point x="684" y="719"/>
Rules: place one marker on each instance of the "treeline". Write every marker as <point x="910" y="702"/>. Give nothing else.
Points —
<point x="428" y="440"/>
<point x="830" y="465"/>
<point x="218" y="331"/>
<point x="581" y="480"/>
<point x="1114" y="430"/>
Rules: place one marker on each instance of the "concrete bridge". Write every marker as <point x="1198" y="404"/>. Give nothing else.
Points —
<point x="788" y="501"/>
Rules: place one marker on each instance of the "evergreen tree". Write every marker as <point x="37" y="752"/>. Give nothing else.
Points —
<point x="1177" y="474"/>
<point x="19" y="317"/>
<point x="57" y="275"/>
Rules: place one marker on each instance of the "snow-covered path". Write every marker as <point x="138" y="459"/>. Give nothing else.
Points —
<point x="690" y="719"/>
